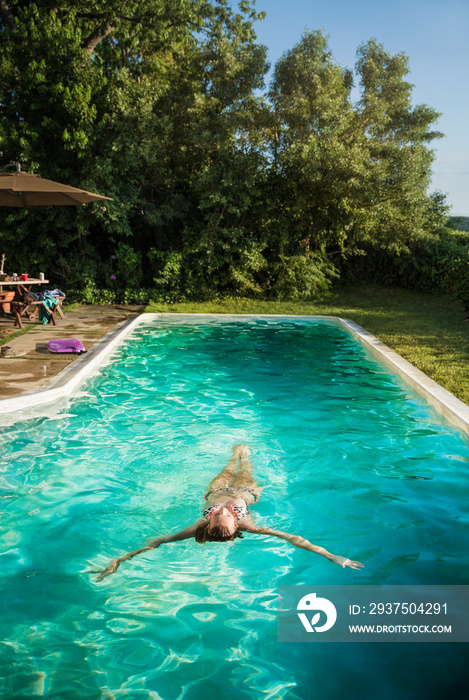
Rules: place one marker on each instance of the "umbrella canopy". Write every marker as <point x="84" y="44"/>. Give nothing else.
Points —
<point x="21" y="189"/>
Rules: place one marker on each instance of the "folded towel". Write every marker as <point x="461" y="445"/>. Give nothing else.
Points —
<point x="53" y="293"/>
<point x="44" y="313"/>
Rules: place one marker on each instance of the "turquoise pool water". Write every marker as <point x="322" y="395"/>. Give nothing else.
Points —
<point x="350" y="457"/>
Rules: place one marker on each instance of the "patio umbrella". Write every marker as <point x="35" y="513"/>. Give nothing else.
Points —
<point x="20" y="189"/>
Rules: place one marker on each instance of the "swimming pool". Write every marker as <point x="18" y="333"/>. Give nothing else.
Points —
<point x="351" y="458"/>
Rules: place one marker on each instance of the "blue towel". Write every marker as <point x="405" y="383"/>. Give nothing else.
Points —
<point x="47" y="303"/>
<point x="47" y="293"/>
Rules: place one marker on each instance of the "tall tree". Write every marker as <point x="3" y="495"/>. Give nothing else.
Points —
<point x="343" y="173"/>
<point x="208" y="180"/>
<point x="216" y="189"/>
<point x="396" y="138"/>
<point x="313" y="158"/>
<point x="76" y="82"/>
<point x="122" y="99"/>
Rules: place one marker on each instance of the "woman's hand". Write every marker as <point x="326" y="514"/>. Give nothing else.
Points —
<point x="343" y="562"/>
<point x="111" y="568"/>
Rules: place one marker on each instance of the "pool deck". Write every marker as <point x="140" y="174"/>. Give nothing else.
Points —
<point x="35" y="365"/>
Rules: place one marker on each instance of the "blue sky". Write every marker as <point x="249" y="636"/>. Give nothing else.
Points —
<point x="432" y="33"/>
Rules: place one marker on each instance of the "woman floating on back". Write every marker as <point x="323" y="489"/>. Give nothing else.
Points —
<point x="227" y="516"/>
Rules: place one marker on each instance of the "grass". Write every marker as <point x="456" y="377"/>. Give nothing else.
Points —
<point x="12" y="336"/>
<point x="428" y="330"/>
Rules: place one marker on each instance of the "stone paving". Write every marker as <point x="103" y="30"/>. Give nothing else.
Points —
<point x="34" y="364"/>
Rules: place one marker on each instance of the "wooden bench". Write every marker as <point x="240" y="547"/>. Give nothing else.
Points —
<point x="37" y="304"/>
<point x="18" y="309"/>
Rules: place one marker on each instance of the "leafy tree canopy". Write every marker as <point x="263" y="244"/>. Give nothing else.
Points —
<point x="217" y="187"/>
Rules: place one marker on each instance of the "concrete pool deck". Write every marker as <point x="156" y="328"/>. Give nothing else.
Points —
<point x="38" y="377"/>
<point x="34" y="366"/>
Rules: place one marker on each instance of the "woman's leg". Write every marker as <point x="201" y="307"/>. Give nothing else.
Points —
<point x="227" y="476"/>
<point x="244" y="479"/>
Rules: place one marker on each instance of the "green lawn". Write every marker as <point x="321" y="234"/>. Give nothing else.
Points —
<point x="426" y="329"/>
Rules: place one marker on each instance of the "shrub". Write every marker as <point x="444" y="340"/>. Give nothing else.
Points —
<point x="430" y="264"/>
<point x="298" y="277"/>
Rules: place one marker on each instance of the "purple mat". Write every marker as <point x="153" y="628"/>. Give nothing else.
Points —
<point x="66" y="345"/>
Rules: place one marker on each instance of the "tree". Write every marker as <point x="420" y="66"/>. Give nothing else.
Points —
<point x="396" y="137"/>
<point x="76" y="82"/>
<point x="217" y="189"/>
<point x="121" y="99"/>
<point x="212" y="167"/>
<point x="313" y="163"/>
<point x="342" y="173"/>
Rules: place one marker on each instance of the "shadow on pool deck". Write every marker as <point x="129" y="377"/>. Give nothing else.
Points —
<point x="34" y="364"/>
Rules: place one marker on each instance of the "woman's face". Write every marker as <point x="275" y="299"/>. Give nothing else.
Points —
<point x="223" y="518"/>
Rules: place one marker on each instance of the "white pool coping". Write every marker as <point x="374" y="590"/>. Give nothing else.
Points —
<point x="71" y="377"/>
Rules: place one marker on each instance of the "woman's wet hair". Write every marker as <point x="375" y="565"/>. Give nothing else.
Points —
<point x="217" y="533"/>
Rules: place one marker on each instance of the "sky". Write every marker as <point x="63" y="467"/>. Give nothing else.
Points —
<point x="432" y="33"/>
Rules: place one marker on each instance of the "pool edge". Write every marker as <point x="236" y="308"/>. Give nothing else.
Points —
<point x="70" y="378"/>
<point x="450" y="407"/>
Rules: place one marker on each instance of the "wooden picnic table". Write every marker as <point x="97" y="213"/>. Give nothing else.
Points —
<point x="19" y="307"/>
<point x="23" y="283"/>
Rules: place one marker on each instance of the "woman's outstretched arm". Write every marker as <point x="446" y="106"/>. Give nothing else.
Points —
<point x="113" y="565"/>
<point x="302" y="543"/>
